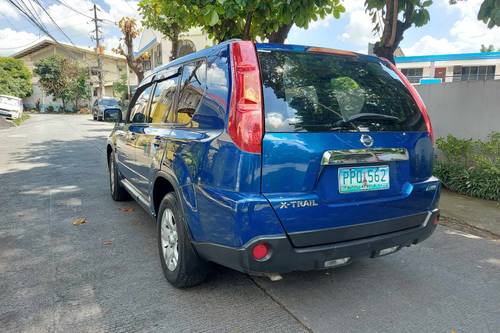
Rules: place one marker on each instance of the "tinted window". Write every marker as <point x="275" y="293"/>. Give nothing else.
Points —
<point x="321" y="92"/>
<point x="139" y="111"/>
<point x="191" y="90"/>
<point x="163" y="99"/>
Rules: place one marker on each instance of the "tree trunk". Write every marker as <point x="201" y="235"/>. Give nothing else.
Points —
<point x="388" y="52"/>
<point x="175" y="45"/>
<point x="280" y="35"/>
<point x="248" y="24"/>
<point x="136" y="68"/>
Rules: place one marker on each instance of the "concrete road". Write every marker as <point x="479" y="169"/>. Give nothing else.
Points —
<point x="105" y="276"/>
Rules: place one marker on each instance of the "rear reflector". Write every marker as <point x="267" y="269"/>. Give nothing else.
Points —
<point x="245" y="116"/>
<point x="260" y="251"/>
<point x="435" y="219"/>
<point x="337" y="262"/>
<point x="416" y="97"/>
<point x="388" y="250"/>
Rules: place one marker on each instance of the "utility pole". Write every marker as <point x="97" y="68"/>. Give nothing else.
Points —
<point x="98" y="53"/>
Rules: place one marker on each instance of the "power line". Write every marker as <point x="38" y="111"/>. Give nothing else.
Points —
<point x="82" y="13"/>
<point x="30" y="18"/>
<point x="53" y="21"/>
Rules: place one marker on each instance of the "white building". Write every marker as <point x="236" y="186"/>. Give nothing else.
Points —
<point x="159" y="48"/>
<point x="436" y="69"/>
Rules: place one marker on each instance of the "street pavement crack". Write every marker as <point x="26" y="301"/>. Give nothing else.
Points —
<point x="280" y="304"/>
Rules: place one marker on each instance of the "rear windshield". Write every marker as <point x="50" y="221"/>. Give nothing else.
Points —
<point x="314" y="92"/>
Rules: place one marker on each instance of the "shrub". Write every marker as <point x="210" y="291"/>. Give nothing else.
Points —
<point x="470" y="167"/>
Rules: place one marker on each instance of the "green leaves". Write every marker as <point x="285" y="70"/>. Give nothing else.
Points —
<point x="213" y="18"/>
<point x="15" y="78"/>
<point x="224" y="19"/>
<point x="471" y="167"/>
<point x="489" y="13"/>
<point x="62" y="78"/>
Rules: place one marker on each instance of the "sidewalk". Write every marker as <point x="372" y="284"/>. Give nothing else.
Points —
<point x="482" y="214"/>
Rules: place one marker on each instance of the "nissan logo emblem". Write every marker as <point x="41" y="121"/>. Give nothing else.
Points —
<point x="366" y="140"/>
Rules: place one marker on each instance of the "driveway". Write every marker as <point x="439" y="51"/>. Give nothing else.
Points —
<point x="105" y="276"/>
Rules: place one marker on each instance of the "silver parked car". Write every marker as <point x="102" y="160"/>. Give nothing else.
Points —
<point x="105" y="107"/>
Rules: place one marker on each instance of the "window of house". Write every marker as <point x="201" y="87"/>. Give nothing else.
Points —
<point x="473" y="73"/>
<point x="163" y="99"/>
<point x="185" y="47"/>
<point x="191" y="90"/>
<point x="157" y="55"/>
<point x="413" y="74"/>
<point x="139" y="112"/>
<point x="146" y="65"/>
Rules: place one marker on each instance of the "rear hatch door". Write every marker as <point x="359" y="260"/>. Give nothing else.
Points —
<point x="345" y="145"/>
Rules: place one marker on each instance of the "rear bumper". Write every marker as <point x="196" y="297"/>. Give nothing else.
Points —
<point x="286" y="258"/>
<point x="9" y="114"/>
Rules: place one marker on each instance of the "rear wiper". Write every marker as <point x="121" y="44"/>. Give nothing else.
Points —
<point x="367" y="116"/>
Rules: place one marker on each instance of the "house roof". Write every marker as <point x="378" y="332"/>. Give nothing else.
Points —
<point x="448" y="57"/>
<point x="45" y="42"/>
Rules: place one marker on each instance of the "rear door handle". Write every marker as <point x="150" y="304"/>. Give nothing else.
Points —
<point x="157" y="141"/>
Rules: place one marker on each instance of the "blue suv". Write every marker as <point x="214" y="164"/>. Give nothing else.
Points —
<point x="270" y="158"/>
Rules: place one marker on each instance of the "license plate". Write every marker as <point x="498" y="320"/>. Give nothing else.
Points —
<point x="361" y="179"/>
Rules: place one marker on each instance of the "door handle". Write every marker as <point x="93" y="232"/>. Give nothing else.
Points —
<point x="157" y="141"/>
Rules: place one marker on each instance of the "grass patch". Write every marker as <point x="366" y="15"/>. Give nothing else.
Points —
<point x="22" y="119"/>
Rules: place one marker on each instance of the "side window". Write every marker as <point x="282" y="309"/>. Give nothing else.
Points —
<point x="192" y="88"/>
<point x="163" y="99"/>
<point x="139" y="112"/>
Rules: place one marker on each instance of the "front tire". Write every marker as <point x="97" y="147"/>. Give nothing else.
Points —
<point x="118" y="193"/>
<point x="180" y="263"/>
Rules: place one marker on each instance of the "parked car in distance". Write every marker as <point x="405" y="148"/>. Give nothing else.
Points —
<point x="105" y="108"/>
<point x="271" y="158"/>
<point x="11" y="106"/>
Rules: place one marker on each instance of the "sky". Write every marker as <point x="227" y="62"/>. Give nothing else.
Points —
<point x="452" y="28"/>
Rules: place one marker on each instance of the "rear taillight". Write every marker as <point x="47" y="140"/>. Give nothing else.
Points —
<point x="245" y="115"/>
<point x="416" y="96"/>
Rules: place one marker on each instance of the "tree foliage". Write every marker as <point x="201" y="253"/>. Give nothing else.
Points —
<point x="168" y="17"/>
<point x="130" y="31"/>
<point x="393" y="18"/>
<point x="489" y="13"/>
<point x="489" y="48"/>
<point x="63" y="79"/>
<point x="79" y="88"/>
<point x="15" y="78"/>
<point x="120" y="87"/>
<point x="245" y="19"/>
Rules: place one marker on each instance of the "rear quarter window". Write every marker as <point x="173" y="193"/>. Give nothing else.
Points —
<point x="314" y="92"/>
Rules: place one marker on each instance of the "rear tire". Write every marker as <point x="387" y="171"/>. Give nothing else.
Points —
<point x="180" y="263"/>
<point x="99" y="118"/>
<point x="118" y="193"/>
<point x="95" y="117"/>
